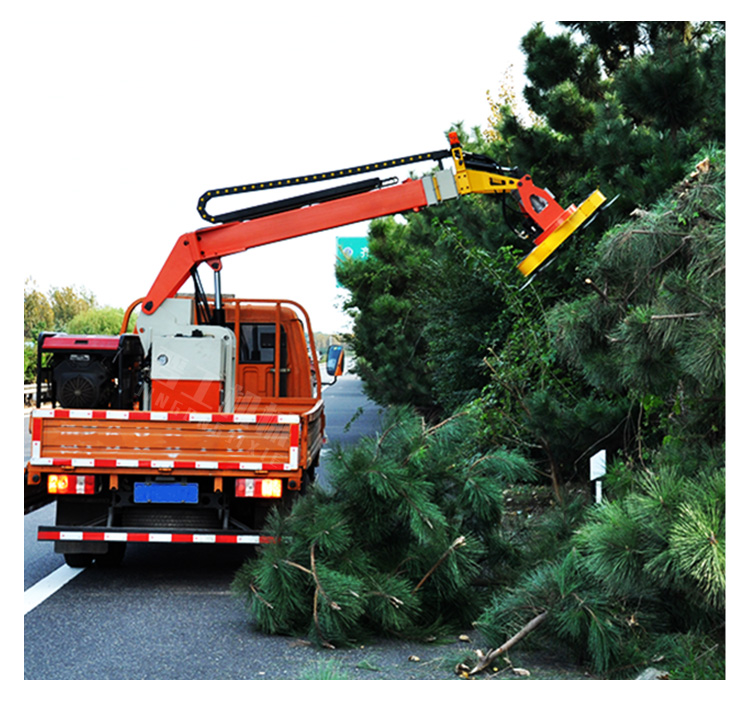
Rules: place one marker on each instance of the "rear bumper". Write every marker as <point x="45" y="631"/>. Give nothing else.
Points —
<point x="144" y="535"/>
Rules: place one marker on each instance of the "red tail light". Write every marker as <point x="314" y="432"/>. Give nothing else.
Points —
<point x="267" y="488"/>
<point x="71" y="484"/>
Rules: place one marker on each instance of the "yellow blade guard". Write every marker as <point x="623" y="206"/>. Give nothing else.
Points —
<point x="549" y="242"/>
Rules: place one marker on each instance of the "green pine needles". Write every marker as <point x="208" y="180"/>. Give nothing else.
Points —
<point x="639" y="570"/>
<point x="396" y="547"/>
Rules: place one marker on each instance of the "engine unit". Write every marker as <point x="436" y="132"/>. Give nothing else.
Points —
<point x="89" y="371"/>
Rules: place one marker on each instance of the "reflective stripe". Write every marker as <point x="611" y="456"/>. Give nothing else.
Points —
<point x="46" y="534"/>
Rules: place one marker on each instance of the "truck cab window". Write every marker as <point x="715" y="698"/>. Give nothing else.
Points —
<point x="258" y="343"/>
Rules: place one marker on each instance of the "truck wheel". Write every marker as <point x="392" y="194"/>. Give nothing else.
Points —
<point x="114" y="555"/>
<point x="78" y="560"/>
<point x="308" y="479"/>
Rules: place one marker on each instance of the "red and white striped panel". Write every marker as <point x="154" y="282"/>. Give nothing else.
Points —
<point x="292" y="420"/>
<point x="52" y="534"/>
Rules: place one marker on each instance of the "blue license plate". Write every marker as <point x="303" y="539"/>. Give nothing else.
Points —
<point x="165" y="493"/>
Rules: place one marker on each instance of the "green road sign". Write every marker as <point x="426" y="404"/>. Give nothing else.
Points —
<point x="351" y="248"/>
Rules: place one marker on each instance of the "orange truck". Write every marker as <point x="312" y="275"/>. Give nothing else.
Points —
<point x="207" y="411"/>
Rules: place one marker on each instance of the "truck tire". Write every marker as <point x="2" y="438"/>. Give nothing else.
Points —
<point x="78" y="560"/>
<point x="75" y="512"/>
<point x="114" y="555"/>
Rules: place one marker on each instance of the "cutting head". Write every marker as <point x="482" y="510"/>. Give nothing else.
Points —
<point x="559" y="231"/>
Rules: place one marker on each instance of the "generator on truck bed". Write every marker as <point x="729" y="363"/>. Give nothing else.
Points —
<point x="196" y="420"/>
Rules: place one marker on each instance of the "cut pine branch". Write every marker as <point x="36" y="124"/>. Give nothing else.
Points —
<point x="486" y="660"/>
<point x="675" y="316"/>
<point x="318" y="591"/>
<point x="460" y="541"/>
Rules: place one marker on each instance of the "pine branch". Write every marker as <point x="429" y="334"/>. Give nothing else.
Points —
<point x="671" y="316"/>
<point x="602" y="294"/>
<point x="395" y="602"/>
<point x="320" y="591"/>
<point x="421" y="514"/>
<point x="460" y="541"/>
<point x="381" y="438"/>
<point x="434" y="428"/>
<point x="601" y="440"/>
<point x="260" y="597"/>
<point x="485" y="661"/>
<point x="653" y="269"/>
<point x="318" y="586"/>
<point x="663" y="232"/>
<point x="297" y="565"/>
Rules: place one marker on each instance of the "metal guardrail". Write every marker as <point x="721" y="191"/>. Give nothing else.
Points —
<point x="29" y="393"/>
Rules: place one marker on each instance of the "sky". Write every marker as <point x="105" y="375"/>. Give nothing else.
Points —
<point x="125" y="113"/>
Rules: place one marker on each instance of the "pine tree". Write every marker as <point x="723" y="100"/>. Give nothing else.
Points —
<point x="388" y="320"/>
<point x="624" y="105"/>
<point x="653" y="330"/>
<point x="651" y="560"/>
<point x="638" y="569"/>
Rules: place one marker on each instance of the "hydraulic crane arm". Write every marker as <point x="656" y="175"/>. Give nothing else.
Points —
<point x="210" y="244"/>
<point x="282" y="220"/>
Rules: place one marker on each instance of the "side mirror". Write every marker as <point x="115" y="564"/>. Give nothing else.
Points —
<point x="335" y="361"/>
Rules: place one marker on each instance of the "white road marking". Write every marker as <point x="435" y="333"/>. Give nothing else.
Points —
<point x="48" y="586"/>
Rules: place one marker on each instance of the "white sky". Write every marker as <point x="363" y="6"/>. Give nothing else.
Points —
<point x="124" y="114"/>
<point x="120" y="115"/>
